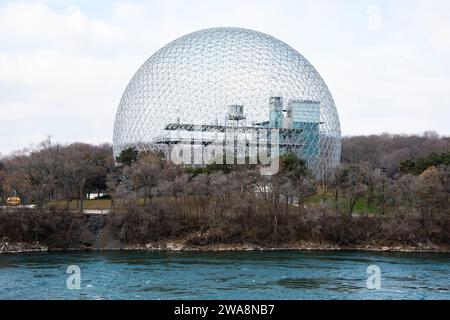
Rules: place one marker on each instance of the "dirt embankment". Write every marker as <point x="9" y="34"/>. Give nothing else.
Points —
<point x="164" y="228"/>
<point x="183" y="245"/>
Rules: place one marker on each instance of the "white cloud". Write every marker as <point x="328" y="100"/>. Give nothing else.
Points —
<point x="388" y="88"/>
<point x="37" y="24"/>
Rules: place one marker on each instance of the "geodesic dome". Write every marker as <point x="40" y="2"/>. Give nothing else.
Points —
<point x="194" y="78"/>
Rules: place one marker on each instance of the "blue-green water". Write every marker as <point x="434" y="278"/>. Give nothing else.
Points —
<point x="227" y="275"/>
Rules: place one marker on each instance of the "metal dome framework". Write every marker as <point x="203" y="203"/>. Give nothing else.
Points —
<point x="194" y="78"/>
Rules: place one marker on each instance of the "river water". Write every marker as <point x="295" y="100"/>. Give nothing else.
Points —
<point x="225" y="275"/>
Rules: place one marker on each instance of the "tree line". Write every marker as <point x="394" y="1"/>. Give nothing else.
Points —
<point x="52" y="171"/>
<point x="369" y="196"/>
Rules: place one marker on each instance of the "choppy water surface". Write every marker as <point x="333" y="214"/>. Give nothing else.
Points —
<point x="225" y="275"/>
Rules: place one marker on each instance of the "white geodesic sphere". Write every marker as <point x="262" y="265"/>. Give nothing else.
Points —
<point x="195" y="77"/>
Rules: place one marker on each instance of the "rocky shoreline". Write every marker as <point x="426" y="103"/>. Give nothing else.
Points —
<point x="9" y="248"/>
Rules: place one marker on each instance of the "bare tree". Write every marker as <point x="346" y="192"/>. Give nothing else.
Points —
<point x="353" y="186"/>
<point x="146" y="174"/>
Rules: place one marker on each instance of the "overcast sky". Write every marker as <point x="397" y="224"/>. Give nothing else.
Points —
<point x="65" y="64"/>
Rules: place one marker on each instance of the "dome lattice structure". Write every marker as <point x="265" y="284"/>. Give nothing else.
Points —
<point x="194" y="78"/>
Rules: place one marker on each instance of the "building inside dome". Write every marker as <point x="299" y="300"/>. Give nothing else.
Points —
<point x="198" y="87"/>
